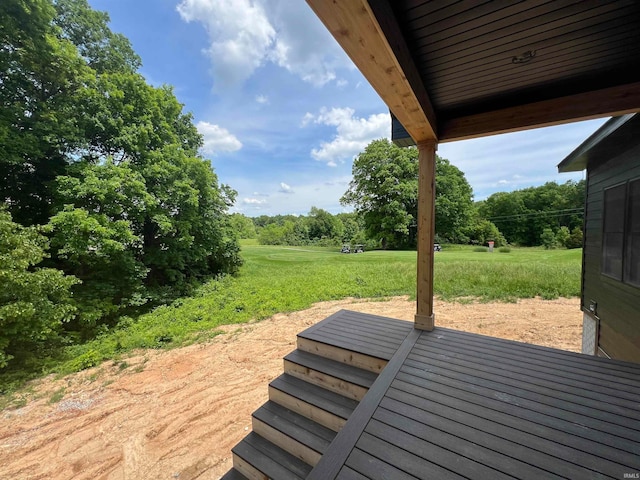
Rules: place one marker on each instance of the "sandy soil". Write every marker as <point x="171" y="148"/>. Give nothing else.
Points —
<point x="177" y="414"/>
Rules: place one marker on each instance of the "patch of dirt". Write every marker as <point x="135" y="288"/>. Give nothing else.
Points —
<point x="176" y="414"/>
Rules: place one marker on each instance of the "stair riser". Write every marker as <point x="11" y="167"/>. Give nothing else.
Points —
<point x="285" y="442"/>
<point x="333" y="384"/>
<point x="324" y="418"/>
<point x="247" y="469"/>
<point x="338" y="354"/>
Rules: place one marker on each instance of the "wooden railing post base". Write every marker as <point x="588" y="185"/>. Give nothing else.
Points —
<point x="424" y="322"/>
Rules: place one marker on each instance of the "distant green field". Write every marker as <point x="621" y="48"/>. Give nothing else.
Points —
<point x="283" y="279"/>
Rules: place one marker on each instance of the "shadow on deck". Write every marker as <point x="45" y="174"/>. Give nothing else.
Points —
<point x="368" y="397"/>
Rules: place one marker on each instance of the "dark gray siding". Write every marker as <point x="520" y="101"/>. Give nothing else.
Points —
<point x="618" y="304"/>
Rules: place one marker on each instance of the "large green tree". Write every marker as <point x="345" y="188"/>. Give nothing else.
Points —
<point x="107" y="161"/>
<point x="384" y="191"/>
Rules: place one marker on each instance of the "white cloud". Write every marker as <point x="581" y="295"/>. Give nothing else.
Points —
<point x="352" y="133"/>
<point x="254" y="201"/>
<point x="262" y="99"/>
<point x="217" y="139"/>
<point x="284" y="188"/>
<point x="240" y="35"/>
<point x="245" y="34"/>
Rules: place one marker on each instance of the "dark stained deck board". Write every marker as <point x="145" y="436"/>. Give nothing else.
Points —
<point x="522" y="386"/>
<point x="348" y="373"/>
<point x="467" y="384"/>
<point x="508" y="414"/>
<point x="463" y="405"/>
<point x="356" y="318"/>
<point x="409" y="463"/>
<point x="447" y="451"/>
<point x="266" y="457"/>
<point x="621" y="402"/>
<point x="347" y="473"/>
<point x="515" y="456"/>
<point x="371" y="335"/>
<point x="371" y="327"/>
<point x="358" y="346"/>
<point x="305" y="431"/>
<point x="539" y="355"/>
<point x="374" y="337"/>
<point x="554" y="442"/>
<point x="314" y="395"/>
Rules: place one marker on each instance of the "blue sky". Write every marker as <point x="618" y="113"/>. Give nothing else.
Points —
<point x="283" y="110"/>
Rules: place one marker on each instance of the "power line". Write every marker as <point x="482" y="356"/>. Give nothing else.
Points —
<point x="546" y="213"/>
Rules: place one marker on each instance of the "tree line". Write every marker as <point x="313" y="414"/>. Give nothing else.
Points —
<point x="105" y="203"/>
<point x="384" y="196"/>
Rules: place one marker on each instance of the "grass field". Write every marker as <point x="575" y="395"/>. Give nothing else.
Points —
<point x="282" y="279"/>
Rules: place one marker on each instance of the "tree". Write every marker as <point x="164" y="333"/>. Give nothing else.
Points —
<point x="575" y="240"/>
<point x="454" y="201"/>
<point x="34" y="301"/>
<point x="563" y="235"/>
<point x="548" y="239"/>
<point x="42" y="80"/>
<point x="137" y="213"/>
<point x="323" y="225"/>
<point x="384" y="190"/>
<point x="243" y="226"/>
<point x="523" y="214"/>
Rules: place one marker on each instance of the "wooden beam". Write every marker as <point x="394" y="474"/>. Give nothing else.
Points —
<point x="607" y="102"/>
<point x="424" y="319"/>
<point x="356" y="28"/>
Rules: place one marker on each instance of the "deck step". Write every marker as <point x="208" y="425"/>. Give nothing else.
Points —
<point x="233" y="474"/>
<point x="327" y="408"/>
<point x="257" y="459"/>
<point x="352" y="382"/>
<point x="292" y="432"/>
<point x="342" y="355"/>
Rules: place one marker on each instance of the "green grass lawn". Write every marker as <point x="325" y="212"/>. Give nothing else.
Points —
<point x="282" y="279"/>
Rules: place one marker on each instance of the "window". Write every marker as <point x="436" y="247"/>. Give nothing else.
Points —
<point x="621" y="233"/>
<point x="632" y="259"/>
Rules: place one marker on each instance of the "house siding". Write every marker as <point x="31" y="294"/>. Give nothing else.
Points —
<point x="617" y="303"/>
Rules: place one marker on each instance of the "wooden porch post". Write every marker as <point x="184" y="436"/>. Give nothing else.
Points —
<point x="424" y="319"/>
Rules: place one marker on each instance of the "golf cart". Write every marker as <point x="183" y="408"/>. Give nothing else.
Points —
<point x="437" y="247"/>
<point x="345" y="249"/>
<point x="358" y="249"/>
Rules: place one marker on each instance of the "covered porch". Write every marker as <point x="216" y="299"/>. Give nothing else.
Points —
<point x="368" y="397"/>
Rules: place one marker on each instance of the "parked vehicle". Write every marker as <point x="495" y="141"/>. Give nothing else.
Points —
<point x="345" y="249"/>
<point x="437" y="247"/>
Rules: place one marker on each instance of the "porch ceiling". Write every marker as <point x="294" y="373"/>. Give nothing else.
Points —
<point x="460" y="69"/>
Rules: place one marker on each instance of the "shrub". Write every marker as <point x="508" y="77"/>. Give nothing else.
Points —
<point x="575" y="240"/>
<point x="33" y="301"/>
<point x="548" y="239"/>
<point x="480" y="249"/>
<point x="504" y="249"/>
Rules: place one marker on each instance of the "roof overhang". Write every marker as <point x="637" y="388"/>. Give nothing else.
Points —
<point x="611" y="139"/>
<point x="456" y="70"/>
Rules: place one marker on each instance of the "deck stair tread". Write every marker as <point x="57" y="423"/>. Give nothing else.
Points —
<point x="342" y="371"/>
<point x="317" y="396"/>
<point x="269" y="459"/>
<point x="233" y="474"/>
<point x="303" y="430"/>
<point x="367" y="334"/>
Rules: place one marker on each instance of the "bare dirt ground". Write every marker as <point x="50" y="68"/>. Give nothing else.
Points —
<point x="176" y="414"/>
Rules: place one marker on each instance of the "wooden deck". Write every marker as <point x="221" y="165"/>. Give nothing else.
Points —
<point x="457" y="405"/>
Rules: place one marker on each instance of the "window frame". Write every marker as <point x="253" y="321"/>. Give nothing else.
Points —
<point x="624" y="268"/>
